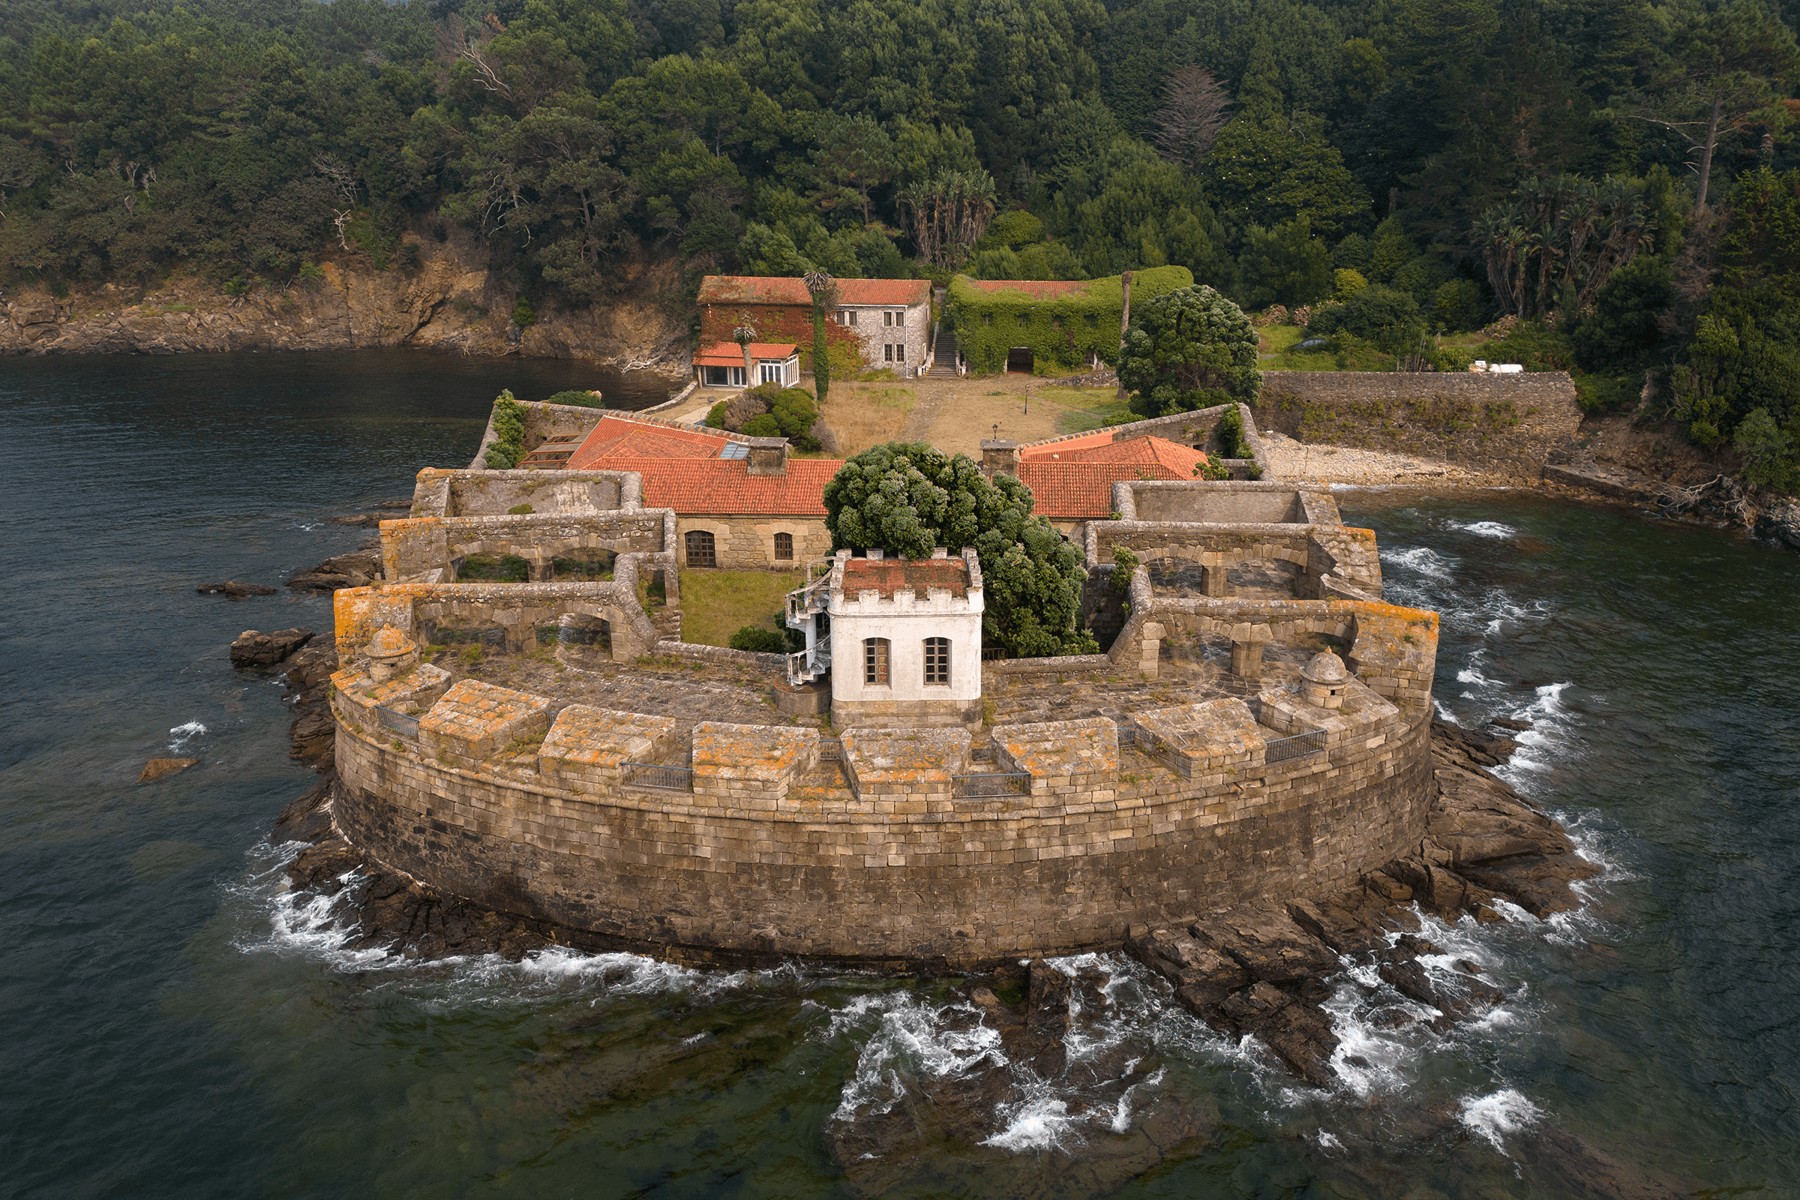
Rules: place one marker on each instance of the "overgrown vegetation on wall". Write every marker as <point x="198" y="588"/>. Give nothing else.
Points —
<point x="508" y="420"/>
<point x="1064" y="333"/>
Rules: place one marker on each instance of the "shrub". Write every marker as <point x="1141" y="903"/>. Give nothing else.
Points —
<point x="715" y="416"/>
<point x="1346" y="282"/>
<point x="523" y="314"/>
<point x="763" y="641"/>
<point x="1456" y="306"/>
<point x="1385" y="316"/>
<point x="1125" y="562"/>
<point x="1767" y="451"/>
<point x="762" y="425"/>
<point x="577" y="398"/>
<point x="1230" y="433"/>
<point x="509" y="433"/>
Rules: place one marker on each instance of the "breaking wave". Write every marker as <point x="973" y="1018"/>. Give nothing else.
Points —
<point x="184" y="733"/>
<point x="1497" y="1114"/>
<point x="1420" y="560"/>
<point x="1486" y="529"/>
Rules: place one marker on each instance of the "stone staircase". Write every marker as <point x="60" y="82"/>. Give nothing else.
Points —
<point x="943" y="358"/>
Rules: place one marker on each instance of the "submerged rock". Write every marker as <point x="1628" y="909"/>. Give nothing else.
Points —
<point x="162" y="768"/>
<point x="235" y="589"/>
<point x="256" y="649"/>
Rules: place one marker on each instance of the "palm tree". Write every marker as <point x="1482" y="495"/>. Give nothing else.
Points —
<point x="824" y="293"/>
<point x="743" y="335"/>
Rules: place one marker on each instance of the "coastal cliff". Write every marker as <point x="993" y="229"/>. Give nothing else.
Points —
<point x="449" y="297"/>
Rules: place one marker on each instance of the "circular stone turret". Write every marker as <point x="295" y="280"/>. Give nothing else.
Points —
<point x="390" y="653"/>
<point x="1324" y="680"/>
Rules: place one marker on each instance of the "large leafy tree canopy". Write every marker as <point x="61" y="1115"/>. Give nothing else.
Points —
<point x="1187" y="349"/>
<point x="907" y="499"/>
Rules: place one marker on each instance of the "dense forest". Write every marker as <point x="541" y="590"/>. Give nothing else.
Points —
<point x="1614" y="175"/>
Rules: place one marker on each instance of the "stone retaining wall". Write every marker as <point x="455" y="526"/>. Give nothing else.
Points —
<point x="1506" y="425"/>
<point x="763" y="863"/>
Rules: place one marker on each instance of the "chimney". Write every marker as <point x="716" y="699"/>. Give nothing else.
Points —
<point x="999" y="457"/>
<point x="768" y="455"/>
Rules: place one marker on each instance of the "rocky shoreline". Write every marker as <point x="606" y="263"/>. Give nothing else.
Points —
<point x="447" y="297"/>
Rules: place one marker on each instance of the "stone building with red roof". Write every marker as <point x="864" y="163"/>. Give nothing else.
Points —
<point x="722" y="364"/>
<point x="888" y="321"/>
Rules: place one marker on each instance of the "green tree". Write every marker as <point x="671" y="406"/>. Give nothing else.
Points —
<point x="1387" y="318"/>
<point x="908" y="498"/>
<point x="823" y="290"/>
<point x="1187" y="349"/>
<point x="1284" y="265"/>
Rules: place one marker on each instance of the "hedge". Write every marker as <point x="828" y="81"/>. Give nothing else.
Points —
<point x="1064" y="334"/>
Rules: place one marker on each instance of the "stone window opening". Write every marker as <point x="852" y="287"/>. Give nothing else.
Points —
<point x="701" y="550"/>
<point x="876" y="659"/>
<point x="900" y="318"/>
<point x="937" y="660"/>
<point x="784" y="547"/>
<point x="899" y="351"/>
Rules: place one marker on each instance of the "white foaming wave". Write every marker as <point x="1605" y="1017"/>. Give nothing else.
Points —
<point x="1369" y="1059"/>
<point x="1121" y="1118"/>
<point x="1486" y="529"/>
<point x="909" y="1035"/>
<point x="1497" y="1114"/>
<point x="1421" y="560"/>
<point x="1443" y="713"/>
<point x="1038" y="1123"/>
<point x="184" y="733"/>
<point x="1551" y="735"/>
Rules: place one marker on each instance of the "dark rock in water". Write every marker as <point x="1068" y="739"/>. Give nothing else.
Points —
<point x="359" y="520"/>
<point x="162" y="768"/>
<point x="235" y="589"/>
<point x="255" y="649"/>
<point x="1515" y="724"/>
<point x="313" y="735"/>
<point x="358" y="568"/>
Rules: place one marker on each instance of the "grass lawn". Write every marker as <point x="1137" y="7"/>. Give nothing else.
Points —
<point x="716" y="604"/>
<point x="861" y="415"/>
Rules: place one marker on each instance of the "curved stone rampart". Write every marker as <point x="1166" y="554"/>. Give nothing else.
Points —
<point x="777" y="853"/>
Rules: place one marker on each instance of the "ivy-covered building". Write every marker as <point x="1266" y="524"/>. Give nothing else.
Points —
<point x="1047" y="326"/>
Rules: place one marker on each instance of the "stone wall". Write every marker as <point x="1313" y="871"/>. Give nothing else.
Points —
<point x="748" y="543"/>
<point x="773" y="858"/>
<point x="773" y="323"/>
<point x="1506" y="425"/>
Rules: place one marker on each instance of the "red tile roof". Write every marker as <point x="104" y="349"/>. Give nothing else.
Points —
<point x="1038" y="289"/>
<point x="1060" y="447"/>
<point x="787" y="289"/>
<point x="619" y="436"/>
<point x="730" y="354"/>
<point x="906" y="292"/>
<point x="890" y="575"/>
<point x="725" y="487"/>
<point x="754" y="289"/>
<point x="1073" y="480"/>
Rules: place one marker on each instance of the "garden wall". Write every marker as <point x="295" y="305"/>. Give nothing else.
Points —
<point x="1505" y="425"/>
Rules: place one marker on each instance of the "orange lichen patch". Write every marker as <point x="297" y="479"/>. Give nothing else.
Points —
<point x="922" y="759"/>
<point x="1057" y="749"/>
<point x="765" y="753"/>
<point x="1198" y="734"/>
<point x="602" y="738"/>
<point x="476" y="719"/>
<point x="886" y="576"/>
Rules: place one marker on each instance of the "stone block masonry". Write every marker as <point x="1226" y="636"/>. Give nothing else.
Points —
<point x="772" y="855"/>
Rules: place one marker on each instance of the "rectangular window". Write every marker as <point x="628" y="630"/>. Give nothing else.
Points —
<point x="737" y="377"/>
<point x="937" y="660"/>
<point x="852" y="314"/>
<point x="900" y="318"/>
<point x="899" y="351"/>
<point x="887" y="318"/>
<point x="887" y="351"/>
<point x="875" y="661"/>
<point x="772" y="372"/>
<point x="784" y="547"/>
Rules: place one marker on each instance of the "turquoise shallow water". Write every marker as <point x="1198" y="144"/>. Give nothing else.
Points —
<point x="173" y="1027"/>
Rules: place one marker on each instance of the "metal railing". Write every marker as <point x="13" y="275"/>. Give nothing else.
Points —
<point x="1298" y="746"/>
<point x="991" y="784"/>
<point x="831" y="750"/>
<point x="804" y="666"/>
<point x="404" y="724"/>
<point x="660" y="776"/>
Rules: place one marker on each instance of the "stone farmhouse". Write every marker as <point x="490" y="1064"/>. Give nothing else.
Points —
<point x="888" y="321"/>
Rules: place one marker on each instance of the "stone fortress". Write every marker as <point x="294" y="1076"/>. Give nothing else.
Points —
<point x="521" y="725"/>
